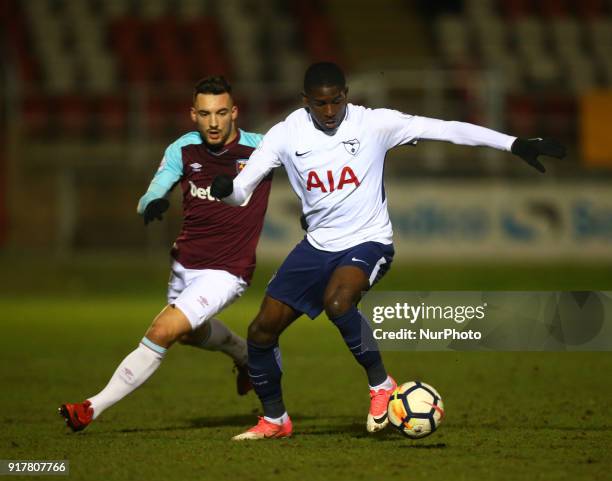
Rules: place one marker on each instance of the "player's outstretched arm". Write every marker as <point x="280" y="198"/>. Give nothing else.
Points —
<point x="463" y="133"/>
<point x="153" y="203"/>
<point x="530" y="149"/>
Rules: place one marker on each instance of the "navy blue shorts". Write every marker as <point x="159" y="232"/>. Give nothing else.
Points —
<point x="301" y="279"/>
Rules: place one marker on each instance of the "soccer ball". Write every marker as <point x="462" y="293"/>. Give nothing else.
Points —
<point x="415" y="409"/>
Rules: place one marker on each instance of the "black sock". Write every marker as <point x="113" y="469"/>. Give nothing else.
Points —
<point x="357" y="335"/>
<point x="265" y="373"/>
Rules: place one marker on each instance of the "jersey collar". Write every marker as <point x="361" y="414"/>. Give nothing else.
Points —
<point x="226" y="148"/>
<point x="330" y="133"/>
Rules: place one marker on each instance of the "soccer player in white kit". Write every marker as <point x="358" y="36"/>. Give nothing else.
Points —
<point x="334" y="153"/>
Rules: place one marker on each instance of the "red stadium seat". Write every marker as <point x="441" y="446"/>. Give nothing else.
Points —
<point x="514" y="9"/>
<point x="156" y="115"/>
<point x="17" y="42"/>
<point x="178" y="114"/>
<point x="37" y="112"/>
<point x="208" y="56"/>
<point x="553" y="8"/>
<point x="590" y="8"/>
<point x="112" y="116"/>
<point x="559" y="116"/>
<point x="74" y="116"/>
<point x="318" y="33"/>
<point x="522" y="115"/>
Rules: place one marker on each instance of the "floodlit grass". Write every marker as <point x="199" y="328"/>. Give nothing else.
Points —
<point x="66" y="326"/>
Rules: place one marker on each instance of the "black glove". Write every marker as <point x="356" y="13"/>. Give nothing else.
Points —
<point x="155" y="209"/>
<point x="529" y="149"/>
<point x="222" y="186"/>
<point x="303" y="222"/>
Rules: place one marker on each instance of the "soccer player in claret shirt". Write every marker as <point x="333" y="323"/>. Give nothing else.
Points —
<point x="334" y="153"/>
<point x="213" y="257"/>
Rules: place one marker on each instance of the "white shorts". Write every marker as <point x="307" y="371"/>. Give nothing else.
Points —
<point x="201" y="293"/>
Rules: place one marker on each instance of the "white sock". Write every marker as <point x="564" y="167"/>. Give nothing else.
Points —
<point x="222" y="338"/>
<point x="386" y="385"/>
<point x="284" y="418"/>
<point x="134" y="370"/>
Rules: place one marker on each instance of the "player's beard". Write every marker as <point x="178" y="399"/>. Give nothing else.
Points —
<point x="220" y="143"/>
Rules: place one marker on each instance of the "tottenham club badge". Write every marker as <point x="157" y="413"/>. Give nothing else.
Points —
<point x="240" y="164"/>
<point x="351" y="146"/>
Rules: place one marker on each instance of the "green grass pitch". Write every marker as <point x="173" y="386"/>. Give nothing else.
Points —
<point x="66" y="326"/>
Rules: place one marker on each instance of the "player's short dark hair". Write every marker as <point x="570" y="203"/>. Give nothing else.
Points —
<point x="323" y="74"/>
<point x="214" y="84"/>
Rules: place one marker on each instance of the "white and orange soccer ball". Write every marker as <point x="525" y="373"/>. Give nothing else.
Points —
<point x="415" y="409"/>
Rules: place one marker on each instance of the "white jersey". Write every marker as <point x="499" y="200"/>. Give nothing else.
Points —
<point x="338" y="176"/>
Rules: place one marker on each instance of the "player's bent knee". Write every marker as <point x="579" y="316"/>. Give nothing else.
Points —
<point x="161" y="335"/>
<point x="337" y="306"/>
<point x="164" y="334"/>
<point x="262" y="334"/>
<point x="168" y="327"/>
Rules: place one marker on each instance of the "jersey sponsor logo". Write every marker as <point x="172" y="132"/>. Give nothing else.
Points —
<point x="241" y="164"/>
<point x="204" y="194"/>
<point x="347" y="176"/>
<point x="301" y="154"/>
<point x="351" y="146"/>
<point x="201" y="192"/>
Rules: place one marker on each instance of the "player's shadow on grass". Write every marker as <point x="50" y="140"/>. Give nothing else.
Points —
<point x="305" y="424"/>
<point x="421" y="446"/>
<point x="242" y="420"/>
<point x="357" y="430"/>
<point x="341" y="425"/>
<point x="199" y="423"/>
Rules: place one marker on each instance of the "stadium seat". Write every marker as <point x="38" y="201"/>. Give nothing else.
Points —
<point x="559" y="115"/>
<point x="92" y="48"/>
<point x="590" y="9"/>
<point x="516" y="9"/>
<point x="522" y="115"/>
<point x="74" y="118"/>
<point x="453" y="39"/>
<point x="112" y="116"/>
<point x="37" y="114"/>
<point x="553" y="8"/>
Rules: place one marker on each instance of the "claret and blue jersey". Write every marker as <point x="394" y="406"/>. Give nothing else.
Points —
<point x="214" y="235"/>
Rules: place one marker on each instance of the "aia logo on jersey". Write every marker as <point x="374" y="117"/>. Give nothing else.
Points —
<point x="241" y="164"/>
<point x="347" y="176"/>
<point x="351" y="146"/>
